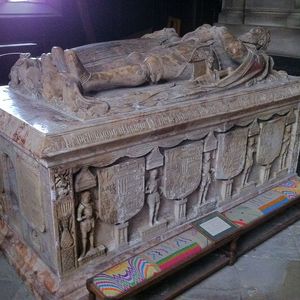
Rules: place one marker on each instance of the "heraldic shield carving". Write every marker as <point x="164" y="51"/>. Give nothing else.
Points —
<point x="231" y="153"/>
<point x="182" y="171"/>
<point x="270" y="141"/>
<point x="121" y="191"/>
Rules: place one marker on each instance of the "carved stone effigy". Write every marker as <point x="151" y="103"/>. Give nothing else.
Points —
<point x="97" y="163"/>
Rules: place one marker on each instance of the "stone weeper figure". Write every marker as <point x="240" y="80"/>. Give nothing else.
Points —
<point x="285" y="146"/>
<point x="153" y="196"/>
<point x="249" y="160"/>
<point x="85" y="216"/>
<point x="206" y="177"/>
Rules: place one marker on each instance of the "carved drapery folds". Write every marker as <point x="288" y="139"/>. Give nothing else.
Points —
<point x="209" y="58"/>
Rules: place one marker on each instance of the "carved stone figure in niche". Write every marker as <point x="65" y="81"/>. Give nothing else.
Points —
<point x="153" y="198"/>
<point x="66" y="239"/>
<point x="285" y="146"/>
<point x="85" y="216"/>
<point x="62" y="183"/>
<point x="249" y="160"/>
<point x="2" y="203"/>
<point x="210" y="55"/>
<point x="206" y="177"/>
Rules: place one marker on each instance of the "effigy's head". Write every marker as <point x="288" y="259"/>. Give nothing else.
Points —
<point x="236" y="50"/>
<point x="258" y="36"/>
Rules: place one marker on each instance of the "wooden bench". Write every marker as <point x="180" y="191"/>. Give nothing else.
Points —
<point x="213" y="233"/>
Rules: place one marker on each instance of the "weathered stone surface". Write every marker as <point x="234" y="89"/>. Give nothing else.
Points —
<point x="182" y="165"/>
<point x="270" y="140"/>
<point x="121" y="191"/>
<point x="114" y="171"/>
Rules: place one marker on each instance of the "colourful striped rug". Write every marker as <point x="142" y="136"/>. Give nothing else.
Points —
<point x="151" y="262"/>
<point x="264" y="203"/>
<point x="125" y="275"/>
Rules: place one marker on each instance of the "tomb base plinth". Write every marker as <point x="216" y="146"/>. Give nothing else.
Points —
<point x="82" y="192"/>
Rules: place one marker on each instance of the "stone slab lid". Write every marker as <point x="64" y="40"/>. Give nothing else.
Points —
<point x="45" y="132"/>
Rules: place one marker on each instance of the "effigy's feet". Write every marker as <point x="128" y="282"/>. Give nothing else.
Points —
<point x="75" y="67"/>
<point x="58" y="59"/>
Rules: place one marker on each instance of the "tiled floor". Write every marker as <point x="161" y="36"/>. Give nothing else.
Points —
<point x="269" y="272"/>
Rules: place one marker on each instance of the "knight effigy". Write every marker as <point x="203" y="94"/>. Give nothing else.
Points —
<point x="207" y="59"/>
<point x="108" y="148"/>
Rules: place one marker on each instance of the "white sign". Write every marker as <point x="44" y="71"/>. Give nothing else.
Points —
<point x="215" y="226"/>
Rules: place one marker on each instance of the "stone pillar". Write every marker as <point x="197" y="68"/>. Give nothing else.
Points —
<point x="232" y="12"/>
<point x="180" y="210"/>
<point x="121" y="234"/>
<point x="293" y="20"/>
<point x="226" y="189"/>
<point x="265" y="174"/>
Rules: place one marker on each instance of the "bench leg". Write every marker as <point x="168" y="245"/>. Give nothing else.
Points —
<point x="92" y="296"/>
<point x="232" y="252"/>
